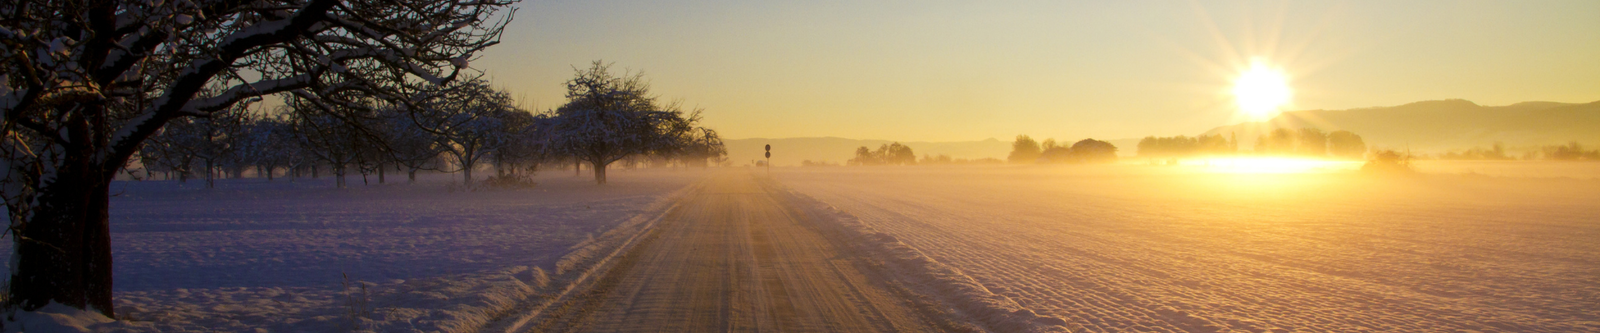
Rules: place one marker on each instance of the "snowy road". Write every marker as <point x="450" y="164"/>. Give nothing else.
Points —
<point x="1145" y="249"/>
<point x="734" y="257"/>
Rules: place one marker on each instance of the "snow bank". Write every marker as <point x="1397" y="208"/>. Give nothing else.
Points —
<point x="585" y="263"/>
<point x="56" y="317"/>
<point x="995" y="312"/>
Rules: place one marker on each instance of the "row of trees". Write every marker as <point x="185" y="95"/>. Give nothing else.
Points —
<point x="889" y="154"/>
<point x="1026" y="150"/>
<point x="1569" y="152"/>
<point x="458" y="128"/>
<point x="1282" y="141"/>
<point x="85" y="84"/>
<point x="1312" y="142"/>
<point x="88" y="88"/>
<point x="1495" y="152"/>
<point x="1183" y="146"/>
<point x="943" y="159"/>
<point x="863" y="154"/>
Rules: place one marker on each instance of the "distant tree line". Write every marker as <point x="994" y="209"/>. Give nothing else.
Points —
<point x="888" y="154"/>
<point x="459" y="127"/>
<point x="810" y="163"/>
<point x="864" y="154"/>
<point x="1311" y="142"/>
<point x="1569" y="152"/>
<point x="1183" y="146"/>
<point x="1495" y="152"/>
<point x="942" y="159"/>
<point x="1299" y="142"/>
<point x="1572" y="151"/>
<point x="1025" y="150"/>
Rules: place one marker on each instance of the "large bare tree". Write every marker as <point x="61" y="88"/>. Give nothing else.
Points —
<point x="609" y="117"/>
<point x="83" y="83"/>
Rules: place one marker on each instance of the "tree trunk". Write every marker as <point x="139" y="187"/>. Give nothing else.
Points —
<point x="64" y="249"/>
<point x="338" y="176"/>
<point x="380" y="173"/>
<point x="599" y="173"/>
<point x="412" y="175"/>
<point x="577" y="167"/>
<point x="210" y="175"/>
<point x="466" y="175"/>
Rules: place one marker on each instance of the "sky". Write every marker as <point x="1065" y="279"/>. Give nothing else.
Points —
<point x="965" y="70"/>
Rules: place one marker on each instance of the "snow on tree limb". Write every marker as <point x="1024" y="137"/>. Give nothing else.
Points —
<point x="87" y="83"/>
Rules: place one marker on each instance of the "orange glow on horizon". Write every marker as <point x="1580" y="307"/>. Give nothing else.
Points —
<point x="1270" y="165"/>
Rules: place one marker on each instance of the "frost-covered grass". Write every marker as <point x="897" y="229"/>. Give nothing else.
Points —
<point x="1159" y="249"/>
<point x="252" y="254"/>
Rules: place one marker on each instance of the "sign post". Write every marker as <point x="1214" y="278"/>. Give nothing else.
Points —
<point x="769" y="158"/>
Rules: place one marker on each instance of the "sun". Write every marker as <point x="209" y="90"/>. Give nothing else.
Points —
<point x="1261" y="91"/>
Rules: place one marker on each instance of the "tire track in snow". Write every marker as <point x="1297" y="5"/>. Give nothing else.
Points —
<point x="732" y="258"/>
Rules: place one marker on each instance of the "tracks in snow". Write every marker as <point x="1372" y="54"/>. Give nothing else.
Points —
<point x="733" y="258"/>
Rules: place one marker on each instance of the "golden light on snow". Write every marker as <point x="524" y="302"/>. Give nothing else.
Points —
<point x="1260" y="91"/>
<point x="1273" y="165"/>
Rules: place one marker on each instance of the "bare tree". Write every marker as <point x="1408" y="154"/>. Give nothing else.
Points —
<point x="83" y="84"/>
<point x="607" y="118"/>
<point x="409" y="145"/>
<point x="215" y="140"/>
<point x="164" y="153"/>
<point x="270" y="143"/>
<point x="704" y="147"/>
<point x="466" y="120"/>
<point x="522" y="147"/>
<point x="328" y="138"/>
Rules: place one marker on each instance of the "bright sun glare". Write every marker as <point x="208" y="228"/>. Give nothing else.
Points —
<point x="1271" y="165"/>
<point x="1260" y="91"/>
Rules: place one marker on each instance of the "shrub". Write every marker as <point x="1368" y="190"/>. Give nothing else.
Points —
<point x="1388" y="162"/>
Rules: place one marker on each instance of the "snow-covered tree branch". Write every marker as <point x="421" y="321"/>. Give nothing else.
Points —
<point x="84" y="84"/>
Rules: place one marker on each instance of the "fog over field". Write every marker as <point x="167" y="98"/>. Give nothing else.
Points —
<point x="799" y="166"/>
<point x="1156" y="249"/>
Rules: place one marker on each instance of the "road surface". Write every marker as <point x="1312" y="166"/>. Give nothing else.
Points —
<point x="735" y="258"/>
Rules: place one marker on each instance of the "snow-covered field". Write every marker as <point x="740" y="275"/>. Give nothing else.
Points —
<point x="256" y="255"/>
<point x="1181" y="249"/>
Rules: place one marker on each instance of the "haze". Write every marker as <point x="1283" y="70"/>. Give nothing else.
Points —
<point x="761" y="166"/>
<point x="950" y="71"/>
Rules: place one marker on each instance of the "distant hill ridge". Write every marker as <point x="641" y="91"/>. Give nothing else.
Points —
<point x="1425" y="126"/>
<point x="1443" y="124"/>
<point x="790" y="151"/>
